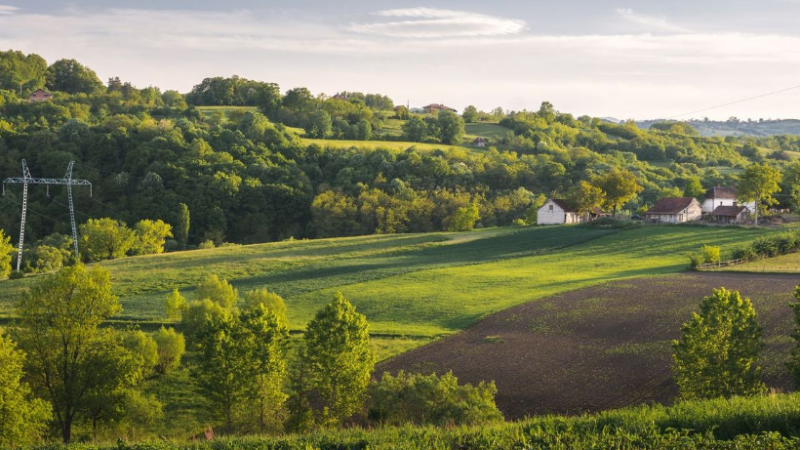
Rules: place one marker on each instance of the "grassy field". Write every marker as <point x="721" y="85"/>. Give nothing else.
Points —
<point x="414" y="285"/>
<point x="375" y="145"/>
<point x="491" y="131"/>
<point x="780" y="264"/>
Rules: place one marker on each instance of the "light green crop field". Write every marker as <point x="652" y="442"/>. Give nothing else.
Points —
<point x="491" y="131"/>
<point x="414" y="285"/>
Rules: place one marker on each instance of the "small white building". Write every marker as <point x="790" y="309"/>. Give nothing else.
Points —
<point x="674" y="210"/>
<point x="723" y="196"/>
<point x="556" y="212"/>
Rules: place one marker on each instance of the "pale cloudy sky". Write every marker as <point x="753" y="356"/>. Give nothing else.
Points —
<point x="621" y="58"/>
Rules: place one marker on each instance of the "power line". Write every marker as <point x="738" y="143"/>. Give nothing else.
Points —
<point x="737" y="102"/>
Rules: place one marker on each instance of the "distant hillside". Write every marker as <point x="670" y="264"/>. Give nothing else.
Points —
<point x="710" y="128"/>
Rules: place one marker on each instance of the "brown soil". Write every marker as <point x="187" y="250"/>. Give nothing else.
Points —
<point x="602" y="347"/>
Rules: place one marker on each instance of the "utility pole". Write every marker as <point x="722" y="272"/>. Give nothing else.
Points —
<point x="27" y="179"/>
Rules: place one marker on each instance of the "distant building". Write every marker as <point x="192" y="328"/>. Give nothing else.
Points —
<point x="40" y="95"/>
<point x="556" y="212"/>
<point x="674" y="210"/>
<point x="722" y="196"/>
<point x="434" y="108"/>
<point x="731" y="214"/>
<point x="479" y="142"/>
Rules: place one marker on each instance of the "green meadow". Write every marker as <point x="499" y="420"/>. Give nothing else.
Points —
<point x="414" y="285"/>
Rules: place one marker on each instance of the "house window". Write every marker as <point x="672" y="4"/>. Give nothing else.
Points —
<point x="551" y="207"/>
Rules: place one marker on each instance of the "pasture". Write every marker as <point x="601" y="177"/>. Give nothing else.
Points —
<point x="414" y="285"/>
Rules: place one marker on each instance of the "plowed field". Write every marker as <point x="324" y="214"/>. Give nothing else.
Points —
<point x="601" y="347"/>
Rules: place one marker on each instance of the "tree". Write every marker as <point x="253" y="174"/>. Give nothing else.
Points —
<point x="401" y="112"/>
<point x="269" y="300"/>
<point x="106" y="239"/>
<point x="182" y="225"/>
<point x="415" y="129"/>
<point x="218" y="291"/>
<point x="170" y="346"/>
<point x="150" y="237"/>
<point x="717" y="355"/>
<point x="68" y="75"/>
<point x="464" y="218"/>
<point x="470" y="114"/>
<point x="585" y="197"/>
<point x="319" y="125"/>
<point x="338" y="359"/>
<point x="23" y="419"/>
<point x="451" y="126"/>
<point x="693" y="188"/>
<point x="6" y="250"/>
<point x="757" y="184"/>
<point x="68" y="308"/>
<point x="175" y="305"/>
<point x="619" y="187"/>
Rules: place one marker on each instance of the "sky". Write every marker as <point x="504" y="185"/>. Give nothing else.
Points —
<point x="606" y="58"/>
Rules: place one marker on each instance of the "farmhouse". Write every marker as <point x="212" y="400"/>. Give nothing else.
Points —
<point x="722" y="196"/>
<point x="434" y="108"/>
<point x="556" y="212"/>
<point x="731" y="214"/>
<point x="479" y="142"/>
<point x="40" y="95"/>
<point x="674" y="210"/>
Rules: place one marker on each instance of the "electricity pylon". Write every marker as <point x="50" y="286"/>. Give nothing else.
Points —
<point x="25" y="180"/>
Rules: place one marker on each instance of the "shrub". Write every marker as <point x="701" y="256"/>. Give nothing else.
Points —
<point x="171" y="347"/>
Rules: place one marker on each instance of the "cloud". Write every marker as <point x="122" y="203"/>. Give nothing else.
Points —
<point x="6" y="10"/>
<point x="655" y="23"/>
<point x="437" y="23"/>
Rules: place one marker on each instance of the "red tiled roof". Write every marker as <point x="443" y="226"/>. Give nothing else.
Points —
<point x="729" y="211"/>
<point x="670" y="205"/>
<point x="721" y="192"/>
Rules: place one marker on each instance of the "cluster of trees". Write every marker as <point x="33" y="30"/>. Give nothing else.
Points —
<point x="93" y="379"/>
<point x="447" y="128"/>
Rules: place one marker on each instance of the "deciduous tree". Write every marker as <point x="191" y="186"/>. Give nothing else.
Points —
<point x="717" y="354"/>
<point x="150" y="237"/>
<point x="619" y="187"/>
<point x="6" y="250"/>
<point x="106" y="239"/>
<point x="757" y="184"/>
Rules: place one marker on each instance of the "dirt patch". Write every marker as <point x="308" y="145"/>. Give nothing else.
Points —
<point x="602" y="347"/>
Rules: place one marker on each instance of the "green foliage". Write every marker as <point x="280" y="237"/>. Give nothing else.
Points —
<point x="144" y="351"/>
<point x="619" y="188"/>
<point x="464" y="219"/>
<point x="21" y="73"/>
<point x="23" y="419"/>
<point x="319" y="125"/>
<point x="70" y="76"/>
<point x="150" y="237"/>
<point x="585" y="197"/>
<point x="183" y="223"/>
<point x="6" y="250"/>
<point x="717" y="355"/>
<point x="271" y="301"/>
<point x="710" y="254"/>
<point x="175" y="305"/>
<point x="218" y="291"/>
<point x="83" y="375"/>
<point x="170" y="347"/>
<point x="451" y="127"/>
<point x="470" y="114"/>
<point x="769" y="246"/>
<point x="429" y="399"/>
<point x="106" y="239"/>
<point x="694" y="188"/>
<point x="757" y="184"/>
<point x="338" y="358"/>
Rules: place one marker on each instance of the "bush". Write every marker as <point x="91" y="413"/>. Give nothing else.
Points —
<point x="769" y="246"/>
<point x="171" y="347"/>
<point x="429" y="399"/>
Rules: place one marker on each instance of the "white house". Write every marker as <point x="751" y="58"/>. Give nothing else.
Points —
<point x="674" y="210"/>
<point x="556" y="212"/>
<point x="722" y="196"/>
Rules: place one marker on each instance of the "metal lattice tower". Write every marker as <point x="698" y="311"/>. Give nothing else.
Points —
<point x="67" y="181"/>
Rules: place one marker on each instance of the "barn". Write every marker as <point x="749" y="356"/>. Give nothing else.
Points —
<point x="557" y="212"/>
<point x="731" y="214"/>
<point x="674" y="210"/>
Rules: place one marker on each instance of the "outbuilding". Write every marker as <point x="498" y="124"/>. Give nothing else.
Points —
<point x="674" y="210"/>
<point x="731" y="214"/>
<point x="556" y="212"/>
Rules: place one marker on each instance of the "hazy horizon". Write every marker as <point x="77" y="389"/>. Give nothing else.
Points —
<point x="621" y="59"/>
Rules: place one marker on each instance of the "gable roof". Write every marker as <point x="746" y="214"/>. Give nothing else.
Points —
<point x="729" y="211"/>
<point x="562" y="204"/>
<point x="726" y="192"/>
<point x="671" y="205"/>
<point x="438" y="106"/>
<point x="40" y="90"/>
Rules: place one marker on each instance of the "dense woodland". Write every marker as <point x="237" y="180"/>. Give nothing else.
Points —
<point x="246" y="176"/>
